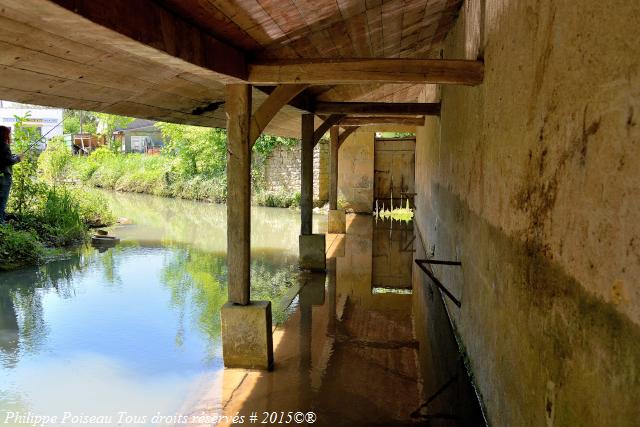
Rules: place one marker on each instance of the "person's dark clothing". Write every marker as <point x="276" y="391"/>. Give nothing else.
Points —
<point x="5" y="187"/>
<point x="7" y="160"/>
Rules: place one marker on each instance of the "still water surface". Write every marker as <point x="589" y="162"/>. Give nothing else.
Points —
<point x="134" y="328"/>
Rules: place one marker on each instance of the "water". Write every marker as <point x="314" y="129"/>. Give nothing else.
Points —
<point x="134" y="328"/>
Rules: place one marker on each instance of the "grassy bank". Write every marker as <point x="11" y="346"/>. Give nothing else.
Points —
<point x="55" y="217"/>
<point x="162" y="176"/>
<point x="44" y="215"/>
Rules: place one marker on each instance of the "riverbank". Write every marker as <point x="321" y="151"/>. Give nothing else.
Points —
<point x="159" y="176"/>
<point x="56" y="218"/>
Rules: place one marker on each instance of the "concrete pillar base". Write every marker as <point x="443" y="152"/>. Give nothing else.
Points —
<point x="312" y="252"/>
<point x="247" y="340"/>
<point x="337" y="221"/>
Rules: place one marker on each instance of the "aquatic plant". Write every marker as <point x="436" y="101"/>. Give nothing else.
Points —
<point x="404" y="214"/>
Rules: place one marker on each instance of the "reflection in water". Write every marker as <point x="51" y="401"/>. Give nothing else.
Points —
<point x="349" y="354"/>
<point x="136" y="327"/>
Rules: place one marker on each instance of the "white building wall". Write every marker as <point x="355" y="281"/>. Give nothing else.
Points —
<point x="48" y="119"/>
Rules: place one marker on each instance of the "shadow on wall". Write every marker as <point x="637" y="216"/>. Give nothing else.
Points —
<point x="541" y="347"/>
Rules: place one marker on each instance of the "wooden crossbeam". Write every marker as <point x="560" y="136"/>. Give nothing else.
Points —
<point x="328" y="71"/>
<point x="345" y="134"/>
<point x="362" y="121"/>
<point x="379" y="108"/>
<point x="270" y="107"/>
<point x="330" y="121"/>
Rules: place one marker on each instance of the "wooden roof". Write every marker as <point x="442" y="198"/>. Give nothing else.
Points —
<point x="169" y="59"/>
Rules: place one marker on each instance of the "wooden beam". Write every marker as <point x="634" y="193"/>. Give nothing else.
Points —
<point x="345" y="134"/>
<point x="330" y="121"/>
<point x="379" y="108"/>
<point x="238" y="110"/>
<point x="145" y="28"/>
<point x="306" y="163"/>
<point x="326" y="71"/>
<point x="333" y="167"/>
<point x="270" y="107"/>
<point x="362" y="121"/>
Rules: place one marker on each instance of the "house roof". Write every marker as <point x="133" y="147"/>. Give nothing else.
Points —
<point x="139" y="125"/>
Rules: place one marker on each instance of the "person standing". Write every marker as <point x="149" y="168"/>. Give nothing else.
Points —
<point x="7" y="160"/>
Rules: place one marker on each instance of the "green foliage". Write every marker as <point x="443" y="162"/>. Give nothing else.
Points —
<point x="54" y="161"/>
<point x="192" y="166"/>
<point x="195" y="150"/>
<point x="93" y="208"/>
<point x="60" y="220"/>
<point x="94" y="123"/>
<point x="108" y="124"/>
<point x="45" y="214"/>
<point x="278" y="199"/>
<point x="71" y="121"/>
<point x="267" y="143"/>
<point x="25" y="188"/>
<point x="394" y="134"/>
<point x="18" y="248"/>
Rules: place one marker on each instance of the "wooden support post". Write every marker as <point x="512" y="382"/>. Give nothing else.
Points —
<point x="333" y="168"/>
<point x="306" y="160"/>
<point x="238" y="109"/>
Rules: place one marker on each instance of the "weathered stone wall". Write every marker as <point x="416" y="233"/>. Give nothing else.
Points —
<point x="282" y="170"/>
<point x="532" y="180"/>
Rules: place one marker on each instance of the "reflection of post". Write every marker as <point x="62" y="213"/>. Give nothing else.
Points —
<point x="331" y="294"/>
<point x="8" y="325"/>
<point x="306" y="322"/>
<point x="311" y="294"/>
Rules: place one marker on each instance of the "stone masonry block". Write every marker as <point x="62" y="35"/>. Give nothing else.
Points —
<point x="247" y="340"/>
<point x="312" y="252"/>
<point x="337" y="221"/>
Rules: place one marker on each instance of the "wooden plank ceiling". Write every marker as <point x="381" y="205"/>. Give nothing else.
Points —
<point x="51" y="56"/>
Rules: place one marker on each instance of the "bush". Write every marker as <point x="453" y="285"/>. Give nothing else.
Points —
<point x="18" y="248"/>
<point x="93" y="208"/>
<point x="59" y="215"/>
<point x="274" y="199"/>
<point x="54" y="162"/>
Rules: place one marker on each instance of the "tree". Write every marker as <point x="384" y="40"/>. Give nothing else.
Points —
<point x="71" y="121"/>
<point x="108" y="124"/>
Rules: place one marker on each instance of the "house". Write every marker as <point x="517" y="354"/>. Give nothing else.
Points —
<point x="140" y="136"/>
<point x="46" y="121"/>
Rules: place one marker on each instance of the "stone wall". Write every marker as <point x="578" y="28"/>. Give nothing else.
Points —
<point x="282" y="170"/>
<point x="532" y="180"/>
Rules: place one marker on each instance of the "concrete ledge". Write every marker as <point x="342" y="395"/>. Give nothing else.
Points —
<point x="312" y="252"/>
<point x="247" y="340"/>
<point x="337" y="222"/>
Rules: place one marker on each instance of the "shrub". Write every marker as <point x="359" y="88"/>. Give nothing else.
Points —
<point x="93" y="208"/>
<point x="60" y="217"/>
<point x="18" y="248"/>
<point x="54" y="162"/>
<point x="275" y="199"/>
